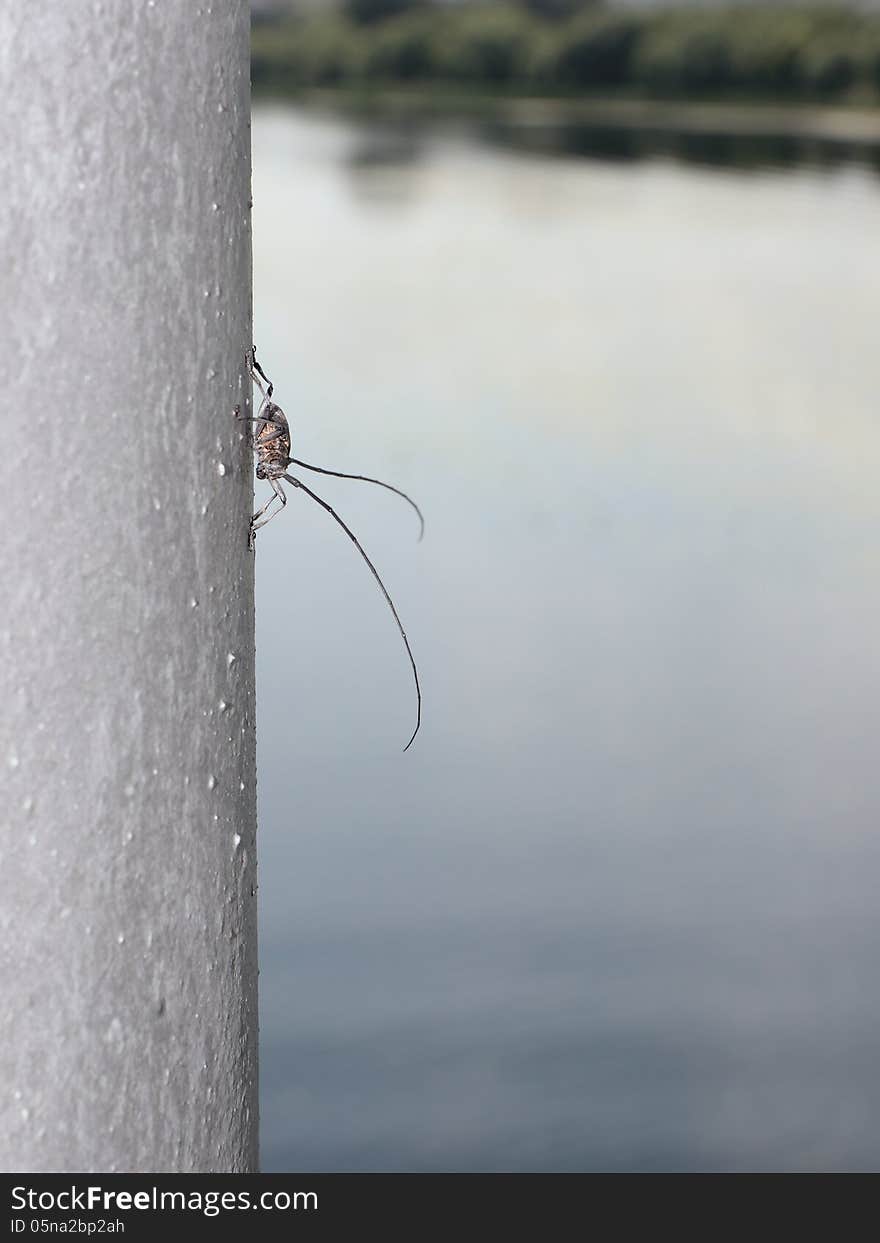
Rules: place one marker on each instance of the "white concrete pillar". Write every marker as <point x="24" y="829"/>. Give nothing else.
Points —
<point x="128" y="1018"/>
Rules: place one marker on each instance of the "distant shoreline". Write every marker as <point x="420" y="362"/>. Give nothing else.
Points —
<point x="834" y="125"/>
<point x="799" y="73"/>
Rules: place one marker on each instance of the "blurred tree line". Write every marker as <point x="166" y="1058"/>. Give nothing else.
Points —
<point x="574" y="47"/>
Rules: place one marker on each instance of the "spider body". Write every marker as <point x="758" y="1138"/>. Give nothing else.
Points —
<point x="272" y="442"/>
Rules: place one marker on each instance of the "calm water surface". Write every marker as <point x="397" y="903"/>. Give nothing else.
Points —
<point x="617" y="907"/>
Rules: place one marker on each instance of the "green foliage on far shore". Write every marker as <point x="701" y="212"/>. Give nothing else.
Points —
<point x="818" y="54"/>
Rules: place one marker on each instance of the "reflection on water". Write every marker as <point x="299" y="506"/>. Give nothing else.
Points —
<point x="616" y="909"/>
<point x="712" y="148"/>
<point x="389" y="132"/>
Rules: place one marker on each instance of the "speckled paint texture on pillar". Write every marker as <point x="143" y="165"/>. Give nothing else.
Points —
<point x="127" y="820"/>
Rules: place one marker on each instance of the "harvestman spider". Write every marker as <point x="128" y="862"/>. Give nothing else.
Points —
<point x="271" y="443"/>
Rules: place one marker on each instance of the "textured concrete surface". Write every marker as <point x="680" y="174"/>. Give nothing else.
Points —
<point x="128" y="1025"/>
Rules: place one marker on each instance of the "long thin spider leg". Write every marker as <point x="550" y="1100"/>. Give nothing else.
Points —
<point x="260" y="439"/>
<point x="280" y="429"/>
<point x="279" y="496"/>
<point x="266" y="421"/>
<point x="250" y="362"/>
<point x="270" y="387"/>
<point x="297" y="483"/>
<point x="260" y="418"/>
<point x="256" y="370"/>
<point x="262" y="510"/>
<point x="338" y="474"/>
<point x="253" y="418"/>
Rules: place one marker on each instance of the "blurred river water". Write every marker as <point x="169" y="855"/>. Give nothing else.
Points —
<point x="616" y="909"/>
